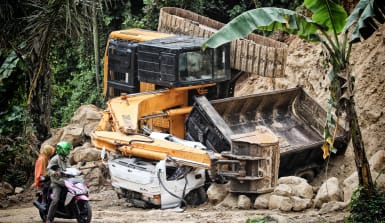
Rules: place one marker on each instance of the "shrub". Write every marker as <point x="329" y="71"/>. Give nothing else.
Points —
<point x="367" y="207"/>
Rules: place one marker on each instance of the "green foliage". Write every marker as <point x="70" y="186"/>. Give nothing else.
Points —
<point x="8" y="66"/>
<point x="12" y="120"/>
<point x="367" y="14"/>
<point x="152" y="8"/>
<point x="245" y="5"/>
<point x="17" y="158"/>
<point x="257" y="220"/>
<point x="13" y="114"/>
<point x="237" y="9"/>
<point x="130" y="20"/>
<point x="269" y="19"/>
<point x="327" y="13"/>
<point x="121" y="15"/>
<point x="74" y="83"/>
<point x="74" y="80"/>
<point x="367" y="206"/>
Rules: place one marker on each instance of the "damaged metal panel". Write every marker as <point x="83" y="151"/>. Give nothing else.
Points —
<point x="292" y="115"/>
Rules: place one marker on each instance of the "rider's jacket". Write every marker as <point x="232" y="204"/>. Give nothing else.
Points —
<point x="57" y="163"/>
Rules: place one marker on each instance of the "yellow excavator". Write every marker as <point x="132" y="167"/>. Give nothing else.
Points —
<point x="152" y="80"/>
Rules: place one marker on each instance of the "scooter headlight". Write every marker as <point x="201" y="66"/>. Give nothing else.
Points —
<point x="80" y="191"/>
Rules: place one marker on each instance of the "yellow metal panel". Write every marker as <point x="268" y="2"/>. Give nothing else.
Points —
<point x="150" y="148"/>
<point x="139" y="35"/>
<point x="144" y="86"/>
<point x="177" y="127"/>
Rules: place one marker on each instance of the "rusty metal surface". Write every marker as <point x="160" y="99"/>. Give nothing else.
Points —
<point x="292" y="115"/>
<point x="274" y="111"/>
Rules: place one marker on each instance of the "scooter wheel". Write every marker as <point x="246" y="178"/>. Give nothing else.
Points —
<point x="43" y="215"/>
<point x="85" y="212"/>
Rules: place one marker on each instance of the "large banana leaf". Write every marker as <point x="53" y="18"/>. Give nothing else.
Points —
<point x="366" y="14"/>
<point x="327" y="13"/>
<point x="269" y="19"/>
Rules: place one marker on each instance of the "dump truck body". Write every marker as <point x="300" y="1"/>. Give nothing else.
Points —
<point x="292" y="115"/>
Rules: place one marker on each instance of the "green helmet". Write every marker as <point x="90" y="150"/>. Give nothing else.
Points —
<point x="63" y="148"/>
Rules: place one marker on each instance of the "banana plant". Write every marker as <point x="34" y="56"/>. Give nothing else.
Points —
<point x="328" y="21"/>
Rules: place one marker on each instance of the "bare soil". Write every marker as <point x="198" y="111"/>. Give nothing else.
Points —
<point x="106" y="207"/>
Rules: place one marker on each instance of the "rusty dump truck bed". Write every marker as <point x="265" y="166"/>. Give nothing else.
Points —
<point x="292" y="115"/>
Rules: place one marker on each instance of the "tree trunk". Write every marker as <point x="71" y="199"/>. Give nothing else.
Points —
<point x="39" y="97"/>
<point x="96" y="43"/>
<point x="40" y="102"/>
<point x="362" y="164"/>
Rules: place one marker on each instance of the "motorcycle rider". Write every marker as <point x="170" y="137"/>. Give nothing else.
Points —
<point x="41" y="169"/>
<point x="57" y="164"/>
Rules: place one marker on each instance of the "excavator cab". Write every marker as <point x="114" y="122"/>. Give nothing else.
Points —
<point x="140" y="60"/>
<point x="120" y="60"/>
<point x="179" y="61"/>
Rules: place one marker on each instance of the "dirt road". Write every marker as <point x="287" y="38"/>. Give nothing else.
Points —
<point x="104" y="211"/>
<point x="28" y="213"/>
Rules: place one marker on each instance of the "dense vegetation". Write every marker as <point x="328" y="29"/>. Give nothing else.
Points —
<point x="48" y="66"/>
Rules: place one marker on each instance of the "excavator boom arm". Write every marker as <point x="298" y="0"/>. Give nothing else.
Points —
<point x="147" y="147"/>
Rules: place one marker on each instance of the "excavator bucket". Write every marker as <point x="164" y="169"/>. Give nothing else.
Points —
<point x="292" y="115"/>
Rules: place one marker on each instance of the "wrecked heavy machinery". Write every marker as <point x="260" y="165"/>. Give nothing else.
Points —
<point x="151" y="170"/>
<point x="172" y="125"/>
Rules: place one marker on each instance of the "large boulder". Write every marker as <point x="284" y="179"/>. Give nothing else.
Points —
<point x="262" y="201"/>
<point x="244" y="202"/>
<point x="291" y="193"/>
<point x="377" y="163"/>
<point x="280" y="202"/>
<point x="291" y="180"/>
<point x="217" y="192"/>
<point x="73" y="133"/>
<point x="95" y="174"/>
<point x="329" y="191"/>
<point x="88" y="117"/>
<point x="84" y="121"/>
<point x="294" y="186"/>
<point x="84" y="153"/>
<point x="350" y="184"/>
<point x="55" y="138"/>
<point x="230" y="201"/>
<point x="283" y="190"/>
<point x="300" y="204"/>
<point x="303" y="190"/>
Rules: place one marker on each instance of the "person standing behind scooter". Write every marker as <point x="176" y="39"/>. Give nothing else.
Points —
<point x="41" y="168"/>
<point x="57" y="164"/>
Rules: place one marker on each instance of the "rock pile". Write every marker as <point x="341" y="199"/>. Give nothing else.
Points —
<point x="296" y="194"/>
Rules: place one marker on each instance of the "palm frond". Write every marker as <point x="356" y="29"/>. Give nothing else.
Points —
<point x="366" y="16"/>
<point x="269" y="19"/>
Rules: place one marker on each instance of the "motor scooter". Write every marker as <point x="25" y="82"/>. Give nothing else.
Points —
<point x="73" y="202"/>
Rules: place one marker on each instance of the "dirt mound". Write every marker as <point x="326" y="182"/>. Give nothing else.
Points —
<point x="306" y="67"/>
